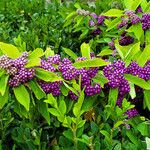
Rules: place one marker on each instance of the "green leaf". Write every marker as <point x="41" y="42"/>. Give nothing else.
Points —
<point x="49" y="52"/>
<point x="106" y="134"/>
<point x="62" y="107"/>
<point x="147" y="98"/>
<point x="22" y="96"/>
<point x="81" y="123"/>
<point x="132" y="52"/>
<point x="113" y="13"/>
<point x="118" y="123"/>
<point x="147" y="35"/>
<point x="47" y="75"/>
<point x="137" y="30"/>
<point x="37" y="90"/>
<point x="54" y="112"/>
<point x="33" y="63"/>
<point x="88" y="104"/>
<point x="78" y="19"/>
<point x="85" y="50"/>
<point x="64" y="90"/>
<point x="144" y="128"/>
<point x="128" y="4"/>
<point x="4" y="98"/>
<point x="68" y="134"/>
<point x="113" y="24"/>
<point x="113" y="95"/>
<point x="3" y="84"/>
<point x="132" y="137"/>
<point x="121" y="50"/>
<point x="78" y="105"/>
<point x="145" y="56"/>
<point x="71" y="88"/>
<point x="51" y="100"/>
<point x="69" y="17"/>
<point x="135" y="4"/>
<point x="96" y="62"/>
<point x="105" y="52"/>
<point x="43" y="109"/>
<point x="137" y="81"/>
<point x="84" y="33"/>
<point x="132" y="90"/>
<point x="144" y="5"/>
<point x="100" y="79"/>
<point x="70" y="53"/>
<point x="20" y="110"/>
<point x="9" y="50"/>
<point x="147" y="143"/>
<point x="2" y="72"/>
<point x="38" y="52"/>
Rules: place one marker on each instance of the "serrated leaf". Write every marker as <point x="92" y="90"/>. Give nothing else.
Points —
<point x="9" y="50"/>
<point x="145" y="56"/>
<point x="47" y="75"/>
<point x="137" y="81"/>
<point x="38" y="52"/>
<point x="33" y="63"/>
<point x="3" y="84"/>
<point x="96" y="62"/>
<point x="37" y="90"/>
<point x="113" y="13"/>
<point x="70" y="53"/>
<point x="22" y="96"/>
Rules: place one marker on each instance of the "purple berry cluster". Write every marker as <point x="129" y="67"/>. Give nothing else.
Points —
<point x="115" y="74"/>
<point x="146" y="21"/>
<point x="129" y="17"/>
<point x="51" y="87"/>
<point x="69" y="72"/>
<point x="141" y="72"/>
<point x="131" y="113"/>
<point x="126" y="40"/>
<point x="16" y="69"/>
